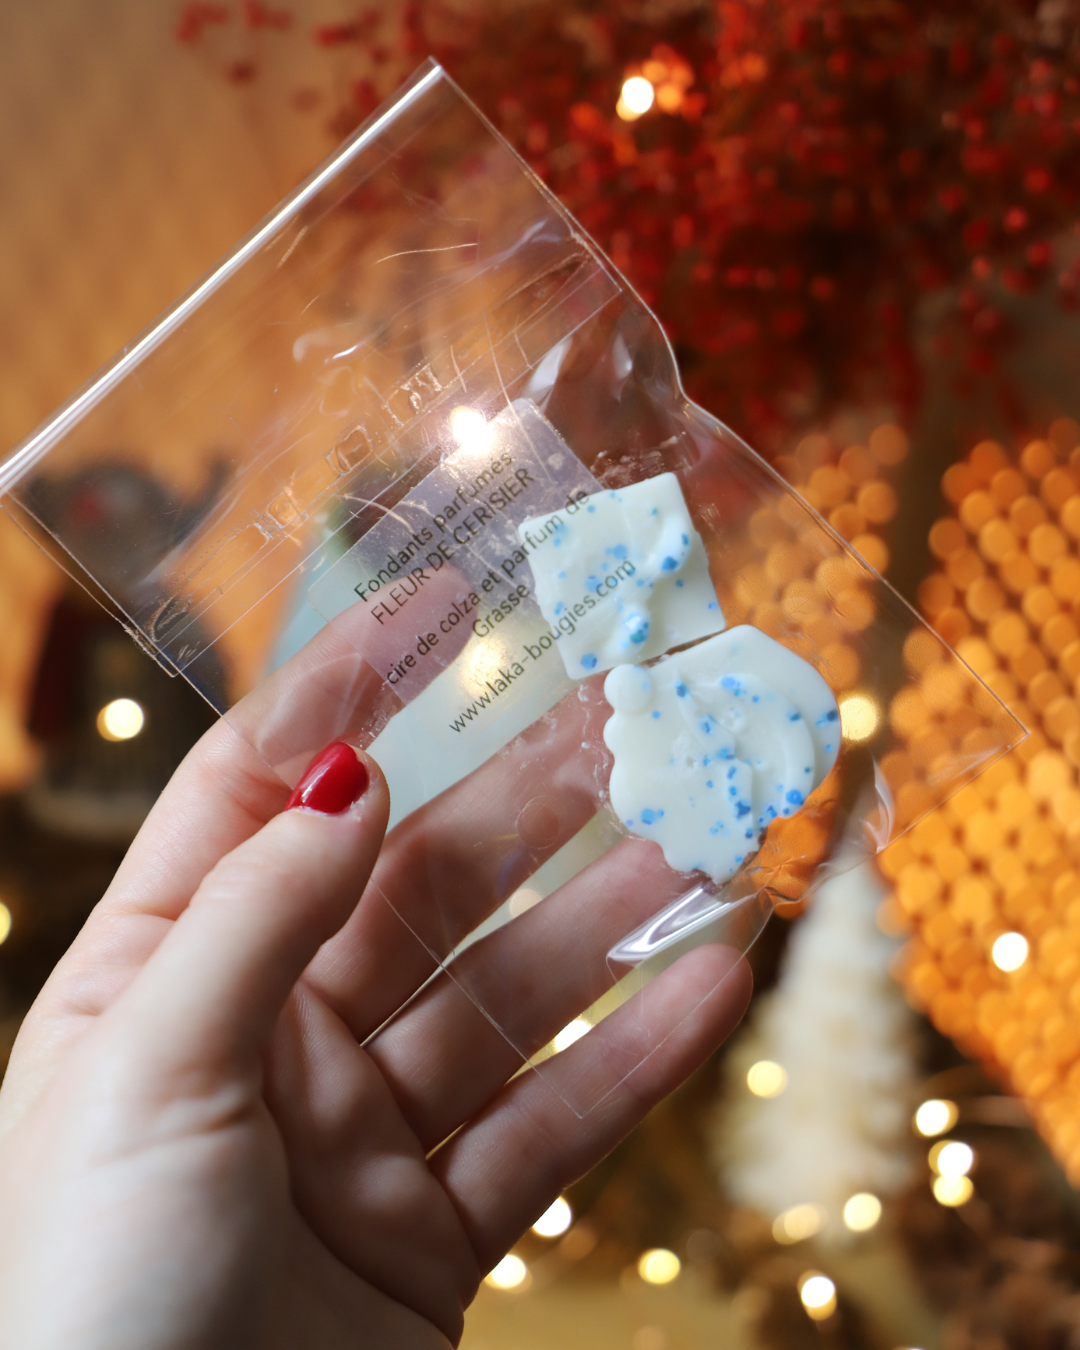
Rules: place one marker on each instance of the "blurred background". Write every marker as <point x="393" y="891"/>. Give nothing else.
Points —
<point x="860" y="227"/>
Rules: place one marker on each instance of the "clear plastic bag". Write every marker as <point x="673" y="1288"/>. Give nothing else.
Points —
<point x="430" y="485"/>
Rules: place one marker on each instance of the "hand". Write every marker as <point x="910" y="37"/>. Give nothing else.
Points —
<point x="229" y="1118"/>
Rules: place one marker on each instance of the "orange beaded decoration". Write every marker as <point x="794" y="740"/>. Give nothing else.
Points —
<point x="796" y="582"/>
<point x="1003" y="855"/>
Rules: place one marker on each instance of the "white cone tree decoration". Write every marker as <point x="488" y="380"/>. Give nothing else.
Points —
<point x="840" y="1031"/>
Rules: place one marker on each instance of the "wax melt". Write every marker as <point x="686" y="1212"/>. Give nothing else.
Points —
<point x="713" y="743"/>
<point x="621" y="575"/>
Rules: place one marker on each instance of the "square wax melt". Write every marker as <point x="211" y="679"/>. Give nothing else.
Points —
<point x="621" y="575"/>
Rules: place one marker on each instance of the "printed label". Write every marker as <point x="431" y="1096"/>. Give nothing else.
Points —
<point x="446" y="587"/>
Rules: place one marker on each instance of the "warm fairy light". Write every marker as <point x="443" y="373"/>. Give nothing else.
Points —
<point x="935" y="1117"/>
<point x="658" y="1266"/>
<point x="799" y="1223"/>
<point x="635" y="98"/>
<point x="953" y="1191"/>
<point x="571" y="1033"/>
<point x="951" y="1158"/>
<point x="818" y="1294"/>
<point x="470" y="428"/>
<point x="860" y="717"/>
<point x="766" y="1078"/>
<point x="555" y="1220"/>
<point x="862" y="1212"/>
<point x="5" y="922"/>
<point x="510" y="1273"/>
<point x="120" y="720"/>
<point x="1010" y="951"/>
<point x="523" y="898"/>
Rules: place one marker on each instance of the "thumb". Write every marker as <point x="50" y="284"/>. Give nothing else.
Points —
<point x="207" y="999"/>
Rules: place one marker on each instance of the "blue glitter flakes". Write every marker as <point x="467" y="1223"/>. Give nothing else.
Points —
<point x="795" y="717"/>
<point x="650" y="817"/>
<point x="679" y="581"/>
<point x="619" y="551"/>
<point x="686" y="540"/>
<point x="656" y="714"/>
<point x="560" y="607"/>
<point x="742" y="809"/>
<point x="830" y="716"/>
<point x="731" y="772"/>
<point x="709" y="783"/>
<point x="681" y="689"/>
<point x="795" y="797"/>
<point x="589" y="661"/>
<point x="669" y="564"/>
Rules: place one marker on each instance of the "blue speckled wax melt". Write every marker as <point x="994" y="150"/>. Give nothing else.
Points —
<point x="715" y="742"/>
<point x="621" y="575"/>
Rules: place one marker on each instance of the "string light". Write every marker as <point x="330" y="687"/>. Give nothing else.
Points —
<point x="658" y="1266"/>
<point x="953" y="1191"/>
<point x="121" y="720"/>
<point x="951" y="1158"/>
<point x="5" y="922"/>
<point x="935" y="1116"/>
<point x="510" y="1273"/>
<point x="635" y="98"/>
<point x="571" y="1033"/>
<point x="471" y="429"/>
<point x="799" y="1223"/>
<point x="555" y="1220"/>
<point x="523" y="899"/>
<point x="766" y="1078"/>
<point x="818" y="1295"/>
<point x="1009" y="951"/>
<point x="862" y="1212"/>
<point x="860" y="717"/>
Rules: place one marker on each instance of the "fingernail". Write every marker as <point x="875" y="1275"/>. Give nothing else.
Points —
<point x="333" y="780"/>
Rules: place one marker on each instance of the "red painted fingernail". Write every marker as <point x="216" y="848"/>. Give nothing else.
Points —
<point x="333" y="780"/>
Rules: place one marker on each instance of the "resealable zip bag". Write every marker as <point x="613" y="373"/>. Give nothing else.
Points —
<point x="430" y="485"/>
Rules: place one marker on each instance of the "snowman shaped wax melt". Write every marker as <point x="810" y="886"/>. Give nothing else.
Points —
<point x="714" y="743"/>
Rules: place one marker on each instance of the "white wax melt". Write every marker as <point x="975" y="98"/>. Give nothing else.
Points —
<point x="621" y="575"/>
<point x="713" y="743"/>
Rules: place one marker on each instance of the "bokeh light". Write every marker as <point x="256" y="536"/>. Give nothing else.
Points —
<point x="766" y="1078"/>
<point x="799" y="1223"/>
<point x="953" y="1191"/>
<point x="636" y="98"/>
<point x="818" y="1294"/>
<point x="1010" y="951"/>
<point x="121" y="720"/>
<point x="572" y="1032"/>
<point x="470" y="428"/>
<point x="862" y="1212"/>
<point x="935" y="1116"/>
<point x="510" y="1273"/>
<point x="951" y="1158"/>
<point x="860" y="717"/>
<point x="555" y="1220"/>
<point x="658" y="1266"/>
